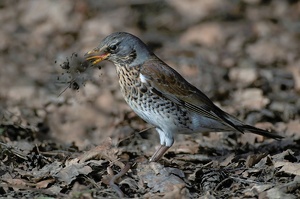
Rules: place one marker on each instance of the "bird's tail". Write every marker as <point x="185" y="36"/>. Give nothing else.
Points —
<point x="258" y="131"/>
<point x="242" y="127"/>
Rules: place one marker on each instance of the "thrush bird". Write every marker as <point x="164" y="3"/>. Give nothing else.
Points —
<point x="160" y="95"/>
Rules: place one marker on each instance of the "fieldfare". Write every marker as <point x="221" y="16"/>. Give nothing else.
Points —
<point x="160" y="95"/>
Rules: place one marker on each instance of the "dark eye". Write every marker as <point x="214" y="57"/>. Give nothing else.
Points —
<point x="113" y="47"/>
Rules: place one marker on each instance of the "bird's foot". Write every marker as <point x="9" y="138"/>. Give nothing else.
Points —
<point x="159" y="153"/>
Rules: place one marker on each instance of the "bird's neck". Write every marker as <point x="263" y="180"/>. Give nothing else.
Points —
<point x="128" y="80"/>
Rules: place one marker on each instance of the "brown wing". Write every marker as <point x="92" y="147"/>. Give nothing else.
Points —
<point x="168" y="83"/>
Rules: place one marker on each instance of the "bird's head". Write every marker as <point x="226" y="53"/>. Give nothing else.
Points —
<point x="121" y="48"/>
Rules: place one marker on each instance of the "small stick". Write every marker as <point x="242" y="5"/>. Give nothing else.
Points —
<point x="115" y="177"/>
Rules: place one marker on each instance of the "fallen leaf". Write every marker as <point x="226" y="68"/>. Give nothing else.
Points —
<point x="187" y="146"/>
<point x="105" y="151"/>
<point x="195" y="10"/>
<point x="69" y="173"/>
<point x="293" y="127"/>
<point x="260" y="188"/>
<point x="44" y="183"/>
<point x="48" y="170"/>
<point x="243" y="76"/>
<point x="159" y="178"/>
<point x="179" y="192"/>
<point x="281" y="156"/>
<point x="266" y="52"/>
<point x="18" y="182"/>
<point x="228" y="160"/>
<point x="208" y="34"/>
<point x="251" y="98"/>
<point x="275" y="193"/>
<point x="254" y="159"/>
<point x="288" y="167"/>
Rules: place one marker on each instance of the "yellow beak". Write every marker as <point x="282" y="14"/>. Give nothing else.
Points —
<point x="96" y="55"/>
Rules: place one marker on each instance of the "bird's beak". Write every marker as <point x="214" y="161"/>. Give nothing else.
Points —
<point x="96" y="55"/>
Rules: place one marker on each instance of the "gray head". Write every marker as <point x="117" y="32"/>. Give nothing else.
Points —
<point x="120" y="48"/>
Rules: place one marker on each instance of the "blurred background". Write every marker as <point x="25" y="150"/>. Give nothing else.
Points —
<point x="244" y="54"/>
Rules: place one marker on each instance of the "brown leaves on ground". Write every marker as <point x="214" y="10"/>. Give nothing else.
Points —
<point x="103" y="168"/>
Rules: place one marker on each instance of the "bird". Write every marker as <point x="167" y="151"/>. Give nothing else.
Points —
<point x="160" y="95"/>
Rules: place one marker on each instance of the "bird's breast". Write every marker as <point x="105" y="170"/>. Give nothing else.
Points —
<point x="154" y="109"/>
<point x="128" y="80"/>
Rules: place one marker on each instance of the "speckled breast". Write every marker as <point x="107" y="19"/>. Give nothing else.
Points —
<point x="152" y="108"/>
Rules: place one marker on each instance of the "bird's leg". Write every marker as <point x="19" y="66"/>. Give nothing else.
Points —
<point x="159" y="153"/>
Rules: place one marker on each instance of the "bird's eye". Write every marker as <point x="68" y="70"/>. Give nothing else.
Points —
<point x="113" y="47"/>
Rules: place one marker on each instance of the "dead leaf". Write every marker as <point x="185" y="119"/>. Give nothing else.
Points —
<point x="266" y="161"/>
<point x="281" y="156"/>
<point x="275" y="193"/>
<point x="18" y="182"/>
<point x="260" y="188"/>
<point x="98" y="150"/>
<point x="251" y="98"/>
<point x="288" y="167"/>
<point x="179" y="191"/>
<point x="250" y="138"/>
<point x="254" y="159"/>
<point x="266" y="52"/>
<point x="293" y="128"/>
<point x="196" y="10"/>
<point x="105" y="151"/>
<point x="44" y="183"/>
<point x="208" y="34"/>
<point x="69" y="173"/>
<point x="187" y="146"/>
<point x="228" y="160"/>
<point x="243" y="76"/>
<point x="48" y="170"/>
<point x="159" y="178"/>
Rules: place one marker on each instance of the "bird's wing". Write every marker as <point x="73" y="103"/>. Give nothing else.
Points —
<point x="168" y="83"/>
